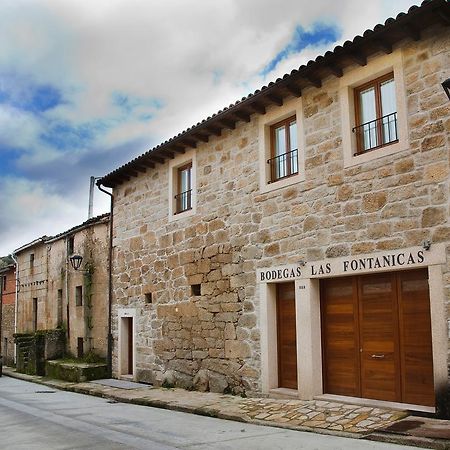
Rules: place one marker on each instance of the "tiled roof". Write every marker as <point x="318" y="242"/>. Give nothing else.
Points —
<point x="381" y="38"/>
<point x="6" y="261"/>
<point x="103" y="218"/>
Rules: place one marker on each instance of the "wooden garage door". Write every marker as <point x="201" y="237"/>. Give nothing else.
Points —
<point x="287" y="340"/>
<point x="376" y="333"/>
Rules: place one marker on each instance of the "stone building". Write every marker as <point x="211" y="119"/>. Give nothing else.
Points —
<point x="297" y="242"/>
<point x="54" y="295"/>
<point x="8" y="298"/>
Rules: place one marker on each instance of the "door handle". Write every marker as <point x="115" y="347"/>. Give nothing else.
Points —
<point x="377" y="356"/>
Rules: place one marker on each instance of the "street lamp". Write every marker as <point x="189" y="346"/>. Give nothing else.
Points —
<point x="446" y="86"/>
<point x="75" y="261"/>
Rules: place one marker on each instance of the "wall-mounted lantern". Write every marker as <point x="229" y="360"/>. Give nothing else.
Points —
<point x="446" y="86"/>
<point x="75" y="261"/>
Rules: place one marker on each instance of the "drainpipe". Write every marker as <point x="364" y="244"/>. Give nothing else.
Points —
<point x="110" y="254"/>
<point x="16" y="302"/>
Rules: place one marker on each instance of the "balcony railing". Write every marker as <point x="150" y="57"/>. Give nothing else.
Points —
<point x="283" y="166"/>
<point x="376" y="133"/>
<point x="183" y="201"/>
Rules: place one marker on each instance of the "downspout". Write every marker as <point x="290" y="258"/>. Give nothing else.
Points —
<point x="110" y="254"/>
<point x="16" y="302"/>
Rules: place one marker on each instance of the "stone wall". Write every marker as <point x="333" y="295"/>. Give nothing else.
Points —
<point x="88" y="321"/>
<point x="51" y="272"/>
<point x="393" y="202"/>
<point x="33" y="283"/>
<point x="33" y="349"/>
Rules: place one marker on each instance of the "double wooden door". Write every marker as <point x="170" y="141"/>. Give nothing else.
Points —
<point x="376" y="337"/>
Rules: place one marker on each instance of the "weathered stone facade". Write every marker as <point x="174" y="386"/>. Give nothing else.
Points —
<point x="389" y="202"/>
<point x="48" y="277"/>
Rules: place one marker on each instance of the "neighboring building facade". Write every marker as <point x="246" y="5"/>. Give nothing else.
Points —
<point x="8" y="280"/>
<point x="298" y="242"/>
<point x="54" y="295"/>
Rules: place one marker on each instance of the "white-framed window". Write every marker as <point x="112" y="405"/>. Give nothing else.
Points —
<point x="182" y="186"/>
<point x="281" y="146"/>
<point x="373" y="110"/>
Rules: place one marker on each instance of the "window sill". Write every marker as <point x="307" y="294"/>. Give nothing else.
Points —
<point x="181" y="215"/>
<point x="375" y="153"/>
<point x="282" y="182"/>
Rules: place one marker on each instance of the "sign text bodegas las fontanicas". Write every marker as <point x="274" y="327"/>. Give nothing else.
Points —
<point x="377" y="262"/>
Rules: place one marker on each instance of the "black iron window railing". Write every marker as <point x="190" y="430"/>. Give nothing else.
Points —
<point x="283" y="166"/>
<point x="183" y="201"/>
<point x="376" y="133"/>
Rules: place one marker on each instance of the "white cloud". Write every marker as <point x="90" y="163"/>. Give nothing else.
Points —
<point x="17" y="128"/>
<point x="196" y="56"/>
<point x="30" y="204"/>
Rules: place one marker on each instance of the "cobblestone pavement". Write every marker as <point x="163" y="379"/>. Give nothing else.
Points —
<point x="320" y="416"/>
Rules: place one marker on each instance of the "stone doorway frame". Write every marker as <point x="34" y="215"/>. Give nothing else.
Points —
<point x="123" y="344"/>
<point x="307" y="311"/>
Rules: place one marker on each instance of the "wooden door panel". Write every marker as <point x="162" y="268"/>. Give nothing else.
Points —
<point x="340" y="337"/>
<point x="287" y="336"/>
<point x="378" y="334"/>
<point x="379" y="377"/>
<point x="415" y="336"/>
<point x="130" y="345"/>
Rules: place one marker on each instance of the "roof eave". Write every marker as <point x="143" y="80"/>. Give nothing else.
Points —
<point x="380" y="38"/>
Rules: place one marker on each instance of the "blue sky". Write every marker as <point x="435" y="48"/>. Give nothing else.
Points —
<point x="320" y="34"/>
<point x="86" y="86"/>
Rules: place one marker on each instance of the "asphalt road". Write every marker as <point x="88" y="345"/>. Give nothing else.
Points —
<point x="33" y="416"/>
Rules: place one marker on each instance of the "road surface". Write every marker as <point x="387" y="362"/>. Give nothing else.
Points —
<point x="35" y="417"/>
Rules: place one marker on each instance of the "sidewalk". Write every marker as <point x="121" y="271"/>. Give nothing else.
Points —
<point x="317" y="416"/>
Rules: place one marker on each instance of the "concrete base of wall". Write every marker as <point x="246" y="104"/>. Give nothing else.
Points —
<point x="75" y="372"/>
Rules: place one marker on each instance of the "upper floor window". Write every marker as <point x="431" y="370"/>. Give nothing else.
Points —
<point x="183" y="198"/>
<point x="376" y="114"/>
<point x="70" y="245"/>
<point x="79" y="296"/>
<point x="182" y="186"/>
<point x="284" y="150"/>
<point x="31" y="260"/>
